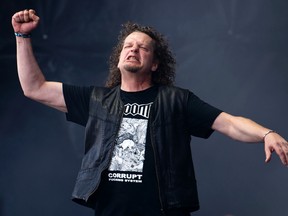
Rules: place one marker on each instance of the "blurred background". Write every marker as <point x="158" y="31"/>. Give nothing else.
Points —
<point x="231" y="53"/>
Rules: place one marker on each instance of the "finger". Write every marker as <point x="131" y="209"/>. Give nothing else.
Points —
<point x="282" y="155"/>
<point x="21" y="16"/>
<point x="268" y="155"/>
<point x="33" y="16"/>
<point x="32" y="11"/>
<point x="26" y="16"/>
<point x="285" y="151"/>
<point x="17" y="17"/>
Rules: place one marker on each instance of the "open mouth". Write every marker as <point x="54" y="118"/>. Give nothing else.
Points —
<point x="132" y="58"/>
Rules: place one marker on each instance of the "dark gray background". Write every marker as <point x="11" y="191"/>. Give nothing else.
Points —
<point x="231" y="53"/>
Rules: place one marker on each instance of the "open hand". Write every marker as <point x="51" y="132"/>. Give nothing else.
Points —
<point x="275" y="143"/>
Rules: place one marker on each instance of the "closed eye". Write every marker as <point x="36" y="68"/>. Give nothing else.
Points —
<point x="127" y="46"/>
<point x="144" y="48"/>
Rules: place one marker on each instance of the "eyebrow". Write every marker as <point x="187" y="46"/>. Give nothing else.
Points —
<point x="140" y="43"/>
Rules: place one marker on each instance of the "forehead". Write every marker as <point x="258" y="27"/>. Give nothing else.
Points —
<point x="139" y="37"/>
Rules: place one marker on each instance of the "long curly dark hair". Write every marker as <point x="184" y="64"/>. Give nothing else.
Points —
<point x="165" y="73"/>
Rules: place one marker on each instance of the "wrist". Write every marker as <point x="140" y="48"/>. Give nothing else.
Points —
<point x="267" y="133"/>
<point x="18" y="34"/>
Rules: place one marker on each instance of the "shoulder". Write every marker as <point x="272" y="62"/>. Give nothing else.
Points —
<point x="174" y="91"/>
<point x="171" y="88"/>
<point x="98" y="93"/>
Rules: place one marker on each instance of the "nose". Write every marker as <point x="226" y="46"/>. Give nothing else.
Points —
<point x="134" y="48"/>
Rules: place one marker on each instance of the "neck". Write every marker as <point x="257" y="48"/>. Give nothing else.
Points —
<point x="133" y="82"/>
<point x="133" y="85"/>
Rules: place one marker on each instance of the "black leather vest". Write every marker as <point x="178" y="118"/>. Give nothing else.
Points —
<point x="170" y="137"/>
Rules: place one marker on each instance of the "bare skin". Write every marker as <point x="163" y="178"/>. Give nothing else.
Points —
<point x="246" y="130"/>
<point x="33" y="82"/>
<point x="136" y="64"/>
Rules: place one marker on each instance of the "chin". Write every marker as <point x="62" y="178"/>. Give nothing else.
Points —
<point x="132" y="69"/>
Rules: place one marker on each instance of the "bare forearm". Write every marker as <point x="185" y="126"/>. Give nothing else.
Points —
<point x="30" y="76"/>
<point x="246" y="130"/>
<point x="240" y="128"/>
<point x="33" y="81"/>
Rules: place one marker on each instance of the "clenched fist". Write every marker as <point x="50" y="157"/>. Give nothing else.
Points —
<point x="25" y="21"/>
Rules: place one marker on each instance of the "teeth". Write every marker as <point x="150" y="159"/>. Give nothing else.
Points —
<point x="132" y="58"/>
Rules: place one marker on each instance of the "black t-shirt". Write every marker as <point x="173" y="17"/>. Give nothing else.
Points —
<point x="129" y="186"/>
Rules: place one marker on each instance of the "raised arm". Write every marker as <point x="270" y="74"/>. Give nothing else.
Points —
<point x="32" y="80"/>
<point x="246" y="130"/>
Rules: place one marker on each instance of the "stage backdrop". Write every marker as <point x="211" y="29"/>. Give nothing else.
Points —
<point x="231" y="53"/>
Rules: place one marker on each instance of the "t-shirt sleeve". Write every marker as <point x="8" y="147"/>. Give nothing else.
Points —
<point x="201" y="116"/>
<point x="77" y="102"/>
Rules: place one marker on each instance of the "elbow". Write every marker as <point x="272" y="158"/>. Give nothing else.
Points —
<point x="32" y="91"/>
<point x="29" y="94"/>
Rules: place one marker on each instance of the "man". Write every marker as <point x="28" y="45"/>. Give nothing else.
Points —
<point x="137" y="155"/>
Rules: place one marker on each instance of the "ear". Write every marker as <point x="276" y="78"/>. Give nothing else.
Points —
<point x="154" y="65"/>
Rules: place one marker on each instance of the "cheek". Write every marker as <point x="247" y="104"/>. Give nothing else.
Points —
<point x="122" y="55"/>
<point x="121" y="58"/>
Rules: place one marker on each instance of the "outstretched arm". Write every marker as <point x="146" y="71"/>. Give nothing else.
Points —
<point x="32" y="80"/>
<point x="246" y="130"/>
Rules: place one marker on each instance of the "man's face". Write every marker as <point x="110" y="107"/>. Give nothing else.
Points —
<point x="137" y="55"/>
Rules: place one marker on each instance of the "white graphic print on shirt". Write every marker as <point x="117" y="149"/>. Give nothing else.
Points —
<point x="129" y="152"/>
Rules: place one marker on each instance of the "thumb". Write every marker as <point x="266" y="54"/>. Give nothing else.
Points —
<point x="33" y="16"/>
<point x="268" y="154"/>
